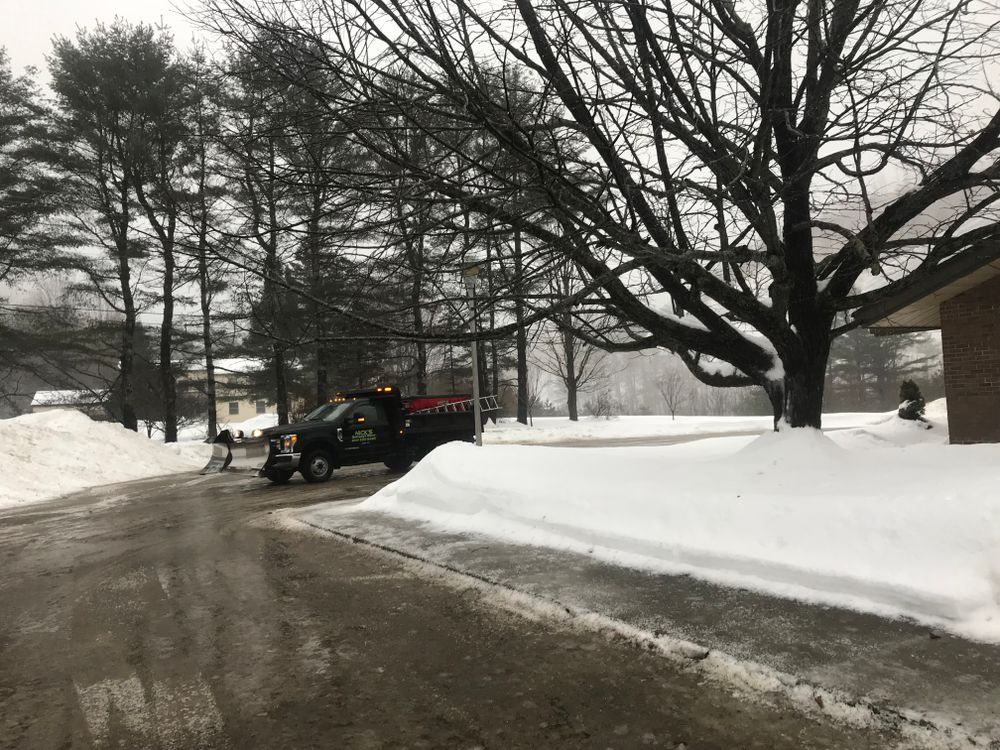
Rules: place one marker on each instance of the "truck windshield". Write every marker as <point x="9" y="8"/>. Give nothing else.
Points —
<point x="329" y="412"/>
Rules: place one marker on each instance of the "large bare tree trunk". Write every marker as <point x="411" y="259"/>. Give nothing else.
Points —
<point x="416" y="253"/>
<point x="164" y="225"/>
<point x="168" y="382"/>
<point x="278" y="364"/>
<point x="521" y="334"/>
<point x="494" y="349"/>
<point x="802" y="387"/>
<point x="570" y="379"/>
<point x="280" y="383"/>
<point x="127" y="354"/>
<point x="205" y="301"/>
<point x="318" y="319"/>
<point x="420" y="365"/>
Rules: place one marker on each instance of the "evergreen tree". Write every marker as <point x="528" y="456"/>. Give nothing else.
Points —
<point x="103" y="100"/>
<point x="253" y="143"/>
<point x="29" y="190"/>
<point x="864" y="368"/>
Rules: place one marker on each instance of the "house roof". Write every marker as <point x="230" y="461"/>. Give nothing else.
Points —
<point x="234" y="365"/>
<point x="918" y="306"/>
<point x="66" y="398"/>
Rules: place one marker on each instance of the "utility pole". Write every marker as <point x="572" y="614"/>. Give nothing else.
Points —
<point x="470" y="275"/>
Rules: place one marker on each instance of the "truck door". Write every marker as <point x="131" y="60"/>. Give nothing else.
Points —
<point x="367" y="433"/>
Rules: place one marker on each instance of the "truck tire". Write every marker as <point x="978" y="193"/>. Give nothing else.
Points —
<point x="398" y="462"/>
<point x="280" y="476"/>
<point x="317" y="465"/>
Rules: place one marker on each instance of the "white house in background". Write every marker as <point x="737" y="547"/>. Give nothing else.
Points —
<point x="232" y="401"/>
<point x="90" y="403"/>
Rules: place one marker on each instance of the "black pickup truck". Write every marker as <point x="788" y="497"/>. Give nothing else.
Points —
<point x="363" y="427"/>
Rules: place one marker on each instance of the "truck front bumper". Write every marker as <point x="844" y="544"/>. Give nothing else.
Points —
<point x="281" y="462"/>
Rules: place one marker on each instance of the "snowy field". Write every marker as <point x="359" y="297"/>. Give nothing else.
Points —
<point x="885" y="518"/>
<point x="54" y="453"/>
<point x="559" y="429"/>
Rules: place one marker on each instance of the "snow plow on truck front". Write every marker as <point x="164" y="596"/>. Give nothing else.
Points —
<point x="232" y="450"/>
<point x="355" y="427"/>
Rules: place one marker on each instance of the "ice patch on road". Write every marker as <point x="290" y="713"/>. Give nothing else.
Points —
<point x="182" y="713"/>
<point x="126" y="698"/>
<point x="187" y="715"/>
<point x="749" y="680"/>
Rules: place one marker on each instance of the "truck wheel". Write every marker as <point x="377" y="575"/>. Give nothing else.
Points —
<point x="398" y="462"/>
<point x="280" y="476"/>
<point x="317" y="465"/>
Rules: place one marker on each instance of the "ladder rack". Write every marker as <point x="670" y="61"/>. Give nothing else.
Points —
<point x="486" y="403"/>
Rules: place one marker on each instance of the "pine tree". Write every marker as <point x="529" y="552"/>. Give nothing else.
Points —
<point x="101" y="121"/>
<point x="29" y="191"/>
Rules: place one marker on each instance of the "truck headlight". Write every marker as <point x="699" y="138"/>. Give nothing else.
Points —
<point x="287" y="443"/>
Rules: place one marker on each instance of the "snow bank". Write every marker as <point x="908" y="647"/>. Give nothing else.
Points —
<point x="261" y="422"/>
<point x="885" y="519"/>
<point x="54" y="453"/>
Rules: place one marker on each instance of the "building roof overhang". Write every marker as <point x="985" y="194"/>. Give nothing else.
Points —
<point x="918" y="306"/>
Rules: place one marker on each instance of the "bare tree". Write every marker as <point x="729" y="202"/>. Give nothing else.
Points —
<point x="534" y="397"/>
<point x="578" y="365"/>
<point x="723" y="145"/>
<point x="674" y="387"/>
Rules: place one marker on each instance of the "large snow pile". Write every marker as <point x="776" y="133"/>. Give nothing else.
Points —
<point x="556" y="429"/>
<point x="53" y="453"/>
<point x="261" y="422"/>
<point x="887" y="519"/>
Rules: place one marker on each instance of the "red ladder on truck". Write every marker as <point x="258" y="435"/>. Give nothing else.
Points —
<point x="486" y="403"/>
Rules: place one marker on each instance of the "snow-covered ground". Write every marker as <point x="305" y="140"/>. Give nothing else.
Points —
<point x="559" y="429"/>
<point x="886" y="518"/>
<point x="46" y="455"/>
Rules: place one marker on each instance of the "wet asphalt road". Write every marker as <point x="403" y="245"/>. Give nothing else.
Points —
<point x="172" y="613"/>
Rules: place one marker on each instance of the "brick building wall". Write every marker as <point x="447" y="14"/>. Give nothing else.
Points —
<point x="970" y="338"/>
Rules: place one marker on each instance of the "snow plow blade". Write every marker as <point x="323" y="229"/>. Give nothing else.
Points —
<point x="236" y="453"/>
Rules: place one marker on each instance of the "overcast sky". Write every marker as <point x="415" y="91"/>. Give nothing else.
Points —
<point x="29" y="25"/>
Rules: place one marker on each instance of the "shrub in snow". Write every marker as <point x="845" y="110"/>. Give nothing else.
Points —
<point x="911" y="401"/>
<point x="603" y="405"/>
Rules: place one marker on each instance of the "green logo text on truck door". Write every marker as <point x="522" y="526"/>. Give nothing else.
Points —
<point x="362" y="437"/>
